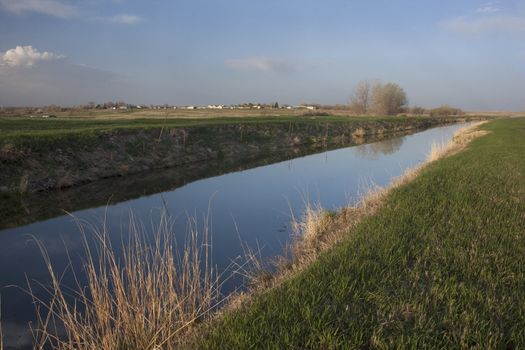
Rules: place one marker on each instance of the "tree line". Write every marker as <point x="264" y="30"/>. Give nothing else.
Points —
<point x="390" y="99"/>
<point x="377" y="98"/>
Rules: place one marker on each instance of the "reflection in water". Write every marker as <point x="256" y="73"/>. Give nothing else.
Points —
<point x="374" y="150"/>
<point x="16" y="335"/>
<point x="254" y="204"/>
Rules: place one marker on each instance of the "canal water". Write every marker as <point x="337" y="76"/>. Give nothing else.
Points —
<point x="252" y="206"/>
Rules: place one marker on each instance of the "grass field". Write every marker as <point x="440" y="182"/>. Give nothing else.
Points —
<point x="88" y="120"/>
<point x="439" y="266"/>
<point x="17" y="126"/>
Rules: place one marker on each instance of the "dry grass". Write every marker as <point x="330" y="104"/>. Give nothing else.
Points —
<point x="463" y="138"/>
<point x="460" y="139"/>
<point x="143" y="298"/>
<point x="358" y="133"/>
<point x="437" y="150"/>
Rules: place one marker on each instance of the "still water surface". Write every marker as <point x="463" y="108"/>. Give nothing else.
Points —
<point x="255" y="205"/>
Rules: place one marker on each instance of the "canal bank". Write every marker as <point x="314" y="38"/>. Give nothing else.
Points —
<point x="437" y="266"/>
<point x="39" y="160"/>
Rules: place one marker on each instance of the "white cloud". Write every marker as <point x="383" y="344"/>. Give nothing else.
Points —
<point x="465" y="25"/>
<point x="125" y="19"/>
<point x="488" y="9"/>
<point x="49" y="7"/>
<point x="26" y="56"/>
<point x="261" y="64"/>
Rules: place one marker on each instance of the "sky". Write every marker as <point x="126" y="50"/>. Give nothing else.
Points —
<point x="469" y="54"/>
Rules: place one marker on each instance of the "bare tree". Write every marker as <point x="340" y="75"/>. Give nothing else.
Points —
<point x="361" y="98"/>
<point x="388" y="99"/>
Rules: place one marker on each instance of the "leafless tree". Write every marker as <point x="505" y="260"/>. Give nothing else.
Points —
<point x="361" y="98"/>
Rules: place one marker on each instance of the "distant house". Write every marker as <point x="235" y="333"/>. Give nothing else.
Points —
<point x="215" y="106"/>
<point x="191" y="107"/>
<point x="311" y="108"/>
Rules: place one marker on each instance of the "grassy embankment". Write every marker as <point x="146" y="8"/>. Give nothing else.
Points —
<point x="13" y="127"/>
<point x="440" y="265"/>
<point x="64" y="141"/>
<point x="76" y="144"/>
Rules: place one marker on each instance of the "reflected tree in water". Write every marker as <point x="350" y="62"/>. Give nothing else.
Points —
<point x="376" y="149"/>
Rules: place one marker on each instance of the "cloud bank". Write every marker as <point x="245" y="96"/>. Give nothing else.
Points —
<point x="61" y="9"/>
<point x="32" y="77"/>
<point x="506" y="24"/>
<point x="488" y="9"/>
<point x="63" y="83"/>
<point x="126" y="19"/>
<point x="48" y="7"/>
<point x="261" y="64"/>
<point x="26" y="56"/>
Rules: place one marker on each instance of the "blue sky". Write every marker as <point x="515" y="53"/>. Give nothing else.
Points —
<point x="470" y="54"/>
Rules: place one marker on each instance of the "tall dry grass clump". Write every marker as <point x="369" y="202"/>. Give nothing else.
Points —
<point x="460" y="139"/>
<point x="143" y="297"/>
<point x="318" y="230"/>
<point x="309" y="233"/>
<point x="437" y="150"/>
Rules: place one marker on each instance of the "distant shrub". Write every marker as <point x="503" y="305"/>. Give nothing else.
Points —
<point x="445" y="111"/>
<point x="356" y="108"/>
<point x="416" y="110"/>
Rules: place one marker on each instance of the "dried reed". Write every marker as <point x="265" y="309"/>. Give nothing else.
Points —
<point x="145" y="297"/>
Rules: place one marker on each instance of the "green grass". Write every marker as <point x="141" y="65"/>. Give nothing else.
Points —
<point x="45" y="135"/>
<point x="16" y="127"/>
<point x="440" y="266"/>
